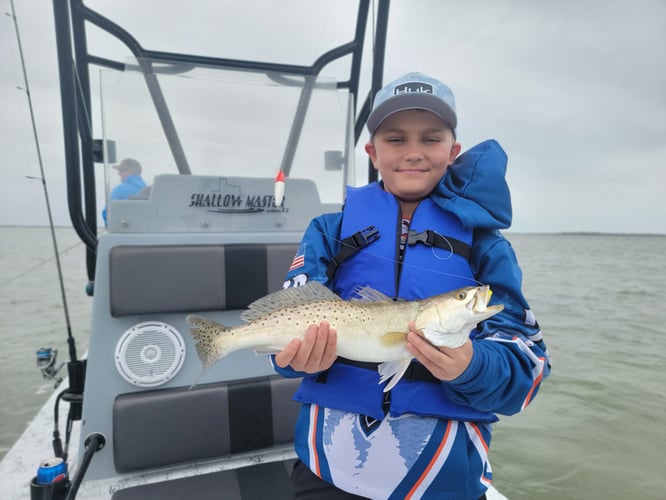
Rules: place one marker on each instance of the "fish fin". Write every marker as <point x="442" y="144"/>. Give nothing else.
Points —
<point x="312" y="291"/>
<point x="205" y="332"/>
<point x="393" y="338"/>
<point x="262" y="351"/>
<point x="392" y="371"/>
<point x="369" y="294"/>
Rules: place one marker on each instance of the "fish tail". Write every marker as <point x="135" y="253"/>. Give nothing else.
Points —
<point x="205" y="334"/>
<point x="194" y="384"/>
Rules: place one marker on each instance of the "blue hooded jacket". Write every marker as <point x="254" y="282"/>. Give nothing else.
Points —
<point x="474" y="188"/>
<point x="509" y="358"/>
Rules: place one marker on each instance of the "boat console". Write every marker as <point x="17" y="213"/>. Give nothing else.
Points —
<point x="207" y="230"/>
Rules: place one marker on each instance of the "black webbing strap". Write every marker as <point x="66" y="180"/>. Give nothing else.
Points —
<point x="416" y="372"/>
<point x="432" y="239"/>
<point x="350" y="245"/>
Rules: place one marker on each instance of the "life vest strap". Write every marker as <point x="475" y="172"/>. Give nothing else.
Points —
<point x="350" y="245"/>
<point x="433" y="239"/>
<point x="416" y="372"/>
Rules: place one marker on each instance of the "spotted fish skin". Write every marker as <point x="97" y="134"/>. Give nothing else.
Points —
<point x="372" y="328"/>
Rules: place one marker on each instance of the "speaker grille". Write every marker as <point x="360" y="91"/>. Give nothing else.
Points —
<point x="150" y="354"/>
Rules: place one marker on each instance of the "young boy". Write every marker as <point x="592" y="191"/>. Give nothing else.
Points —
<point x="431" y="226"/>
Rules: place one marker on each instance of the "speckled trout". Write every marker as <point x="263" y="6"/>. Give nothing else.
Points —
<point x="372" y="328"/>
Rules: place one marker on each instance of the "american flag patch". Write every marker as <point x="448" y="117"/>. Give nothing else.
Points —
<point x="299" y="260"/>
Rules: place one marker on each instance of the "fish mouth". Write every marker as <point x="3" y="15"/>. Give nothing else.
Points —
<point x="480" y="299"/>
<point x="479" y="303"/>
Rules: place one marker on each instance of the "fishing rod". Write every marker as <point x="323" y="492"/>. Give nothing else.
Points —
<point x="46" y="357"/>
<point x="70" y="338"/>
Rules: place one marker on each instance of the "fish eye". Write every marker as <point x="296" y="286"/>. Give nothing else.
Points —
<point x="461" y="295"/>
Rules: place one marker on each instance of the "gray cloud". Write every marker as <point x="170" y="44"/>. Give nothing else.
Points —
<point x="574" y="91"/>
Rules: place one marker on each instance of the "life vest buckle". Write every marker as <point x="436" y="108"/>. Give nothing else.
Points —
<point x="365" y="236"/>
<point x="425" y="237"/>
<point x="433" y="239"/>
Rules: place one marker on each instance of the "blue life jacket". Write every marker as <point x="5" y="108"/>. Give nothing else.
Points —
<point x="426" y="270"/>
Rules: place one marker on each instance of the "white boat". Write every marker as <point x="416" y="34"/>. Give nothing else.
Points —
<point x="207" y="235"/>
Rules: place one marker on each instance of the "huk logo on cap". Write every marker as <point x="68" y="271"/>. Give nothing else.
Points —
<point x="416" y="87"/>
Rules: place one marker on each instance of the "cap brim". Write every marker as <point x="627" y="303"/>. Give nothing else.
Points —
<point x="403" y="102"/>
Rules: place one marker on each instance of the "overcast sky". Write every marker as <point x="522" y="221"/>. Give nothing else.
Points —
<point x="575" y="91"/>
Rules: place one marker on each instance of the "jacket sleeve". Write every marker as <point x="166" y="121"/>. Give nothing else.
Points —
<point x="510" y="358"/>
<point x="319" y="245"/>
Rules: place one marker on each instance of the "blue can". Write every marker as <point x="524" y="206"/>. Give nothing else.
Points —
<point x="52" y="470"/>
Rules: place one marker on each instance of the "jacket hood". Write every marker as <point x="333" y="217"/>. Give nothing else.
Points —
<point x="475" y="188"/>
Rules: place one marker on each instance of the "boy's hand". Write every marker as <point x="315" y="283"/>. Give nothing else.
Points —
<point x="315" y="353"/>
<point x="444" y="363"/>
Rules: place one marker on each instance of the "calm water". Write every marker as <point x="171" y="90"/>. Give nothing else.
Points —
<point x="597" y="429"/>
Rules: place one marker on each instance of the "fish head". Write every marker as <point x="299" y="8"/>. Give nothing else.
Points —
<point x="449" y="318"/>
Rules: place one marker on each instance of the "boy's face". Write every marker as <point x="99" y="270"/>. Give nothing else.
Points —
<point x="412" y="150"/>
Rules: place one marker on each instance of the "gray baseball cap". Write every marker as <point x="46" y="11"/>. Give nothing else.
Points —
<point x="414" y="91"/>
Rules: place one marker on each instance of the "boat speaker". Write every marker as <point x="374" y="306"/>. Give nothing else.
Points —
<point x="150" y="354"/>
